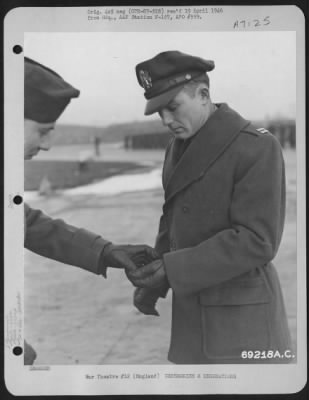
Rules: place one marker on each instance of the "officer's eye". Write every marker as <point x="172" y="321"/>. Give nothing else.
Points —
<point x="172" y="107"/>
<point x="45" y="131"/>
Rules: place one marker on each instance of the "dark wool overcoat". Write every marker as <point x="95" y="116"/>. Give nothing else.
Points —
<point x="221" y="227"/>
<point x="55" y="239"/>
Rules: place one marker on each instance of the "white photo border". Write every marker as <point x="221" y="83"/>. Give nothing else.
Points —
<point x="57" y="380"/>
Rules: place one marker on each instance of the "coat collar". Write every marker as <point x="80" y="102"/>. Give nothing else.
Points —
<point x="209" y="143"/>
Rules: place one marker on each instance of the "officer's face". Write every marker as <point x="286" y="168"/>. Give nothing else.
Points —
<point x="36" y="137"/>
<point x="185" y="114"/>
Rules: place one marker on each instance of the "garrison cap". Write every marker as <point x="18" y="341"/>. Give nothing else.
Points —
<point x="164" y="75"/>
<point x="46" y="93"/>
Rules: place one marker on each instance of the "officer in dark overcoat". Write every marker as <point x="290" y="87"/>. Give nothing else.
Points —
<point x="46" y="97"/>
<point x="222" y="223"/>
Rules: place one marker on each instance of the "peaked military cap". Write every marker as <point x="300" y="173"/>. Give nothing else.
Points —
<point x="164" y="75"/>
<point x="46" y="94"/>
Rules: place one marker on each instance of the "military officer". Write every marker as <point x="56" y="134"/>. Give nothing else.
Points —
<point x="46" y="95"/>
<point x="221" y="226"/>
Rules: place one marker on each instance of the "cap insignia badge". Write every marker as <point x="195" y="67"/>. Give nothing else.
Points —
<point x="145" y="79"/>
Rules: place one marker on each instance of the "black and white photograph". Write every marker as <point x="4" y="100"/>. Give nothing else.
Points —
<point x="159" y="202"/>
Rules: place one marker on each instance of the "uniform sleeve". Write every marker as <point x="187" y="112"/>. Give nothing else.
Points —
<point x="256" y="218"/>
<point x="53" y="238"/>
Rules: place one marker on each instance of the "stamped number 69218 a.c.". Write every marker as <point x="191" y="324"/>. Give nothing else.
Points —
<point x="257" y="354"/>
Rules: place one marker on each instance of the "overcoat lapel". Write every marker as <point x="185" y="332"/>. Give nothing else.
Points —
<point x="209" y="143"/>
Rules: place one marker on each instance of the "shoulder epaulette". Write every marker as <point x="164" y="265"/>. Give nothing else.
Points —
<point x="254" y="131"/>
<point x="262" y="130"/>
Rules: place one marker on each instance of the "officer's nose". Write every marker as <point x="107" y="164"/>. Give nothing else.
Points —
<point x="45" y="142"/>
<point x="166" y="117"/>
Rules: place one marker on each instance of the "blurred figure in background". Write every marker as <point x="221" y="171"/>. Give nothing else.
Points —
<point x="46" y="97"/>
<point x="97" y="143"/>
<point x="222" y="223"/>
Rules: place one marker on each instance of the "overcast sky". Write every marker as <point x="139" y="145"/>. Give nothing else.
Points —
<point x="255" y="72"/>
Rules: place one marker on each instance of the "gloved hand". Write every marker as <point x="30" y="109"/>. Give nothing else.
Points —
<point x="151" y="276"/>
<point x="128" y="257"/>
<point x="29" y="354"/>
<point x="145" y="301"/>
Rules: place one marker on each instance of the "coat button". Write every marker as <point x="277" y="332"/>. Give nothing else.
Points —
<point x="185" y="209"/>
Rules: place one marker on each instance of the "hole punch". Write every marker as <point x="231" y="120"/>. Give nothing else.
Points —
<point x="17" y="350"/>
<point x="17" y="49"/>
<point x="17" y="199"/>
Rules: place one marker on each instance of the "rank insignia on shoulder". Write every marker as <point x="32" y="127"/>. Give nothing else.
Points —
<point x="262" y="130"/>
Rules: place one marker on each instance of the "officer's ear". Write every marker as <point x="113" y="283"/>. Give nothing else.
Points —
<point x="203" y="91"/>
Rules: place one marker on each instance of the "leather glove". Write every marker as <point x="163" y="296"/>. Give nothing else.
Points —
<point x="150" y="276"/>
<point x="128" y="257"/>
<point x="29" y="354"/>
<point x="145" y="301"/>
